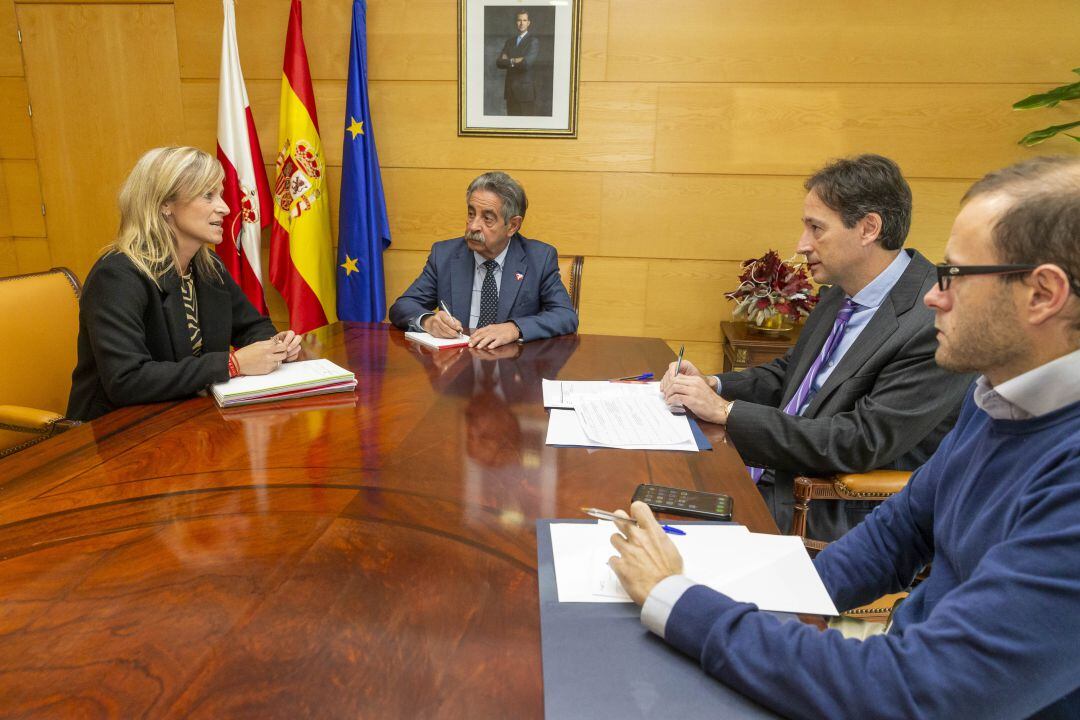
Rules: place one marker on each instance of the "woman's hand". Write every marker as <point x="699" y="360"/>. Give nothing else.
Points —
<point x="261" y="357"/>
<point x="291" y="341"/>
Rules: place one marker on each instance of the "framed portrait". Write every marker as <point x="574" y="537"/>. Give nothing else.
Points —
<point x="518" y="66"/>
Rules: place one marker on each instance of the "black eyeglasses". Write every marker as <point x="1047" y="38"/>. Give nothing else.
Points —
<point x="945" y="273"/>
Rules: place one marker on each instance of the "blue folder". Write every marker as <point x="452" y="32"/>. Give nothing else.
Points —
<point x="601" y="662"/>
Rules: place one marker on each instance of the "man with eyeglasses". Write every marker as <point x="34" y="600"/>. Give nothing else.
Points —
<point x="860" y="390"/>
<point x="993" y="631"/>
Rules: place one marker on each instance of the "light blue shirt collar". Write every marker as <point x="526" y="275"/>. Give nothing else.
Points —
<point x="879" y="288"/>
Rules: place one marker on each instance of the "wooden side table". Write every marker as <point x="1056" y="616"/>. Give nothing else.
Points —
<point x="746" y="346"/>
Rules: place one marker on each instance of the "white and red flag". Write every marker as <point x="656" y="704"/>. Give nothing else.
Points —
<point x="247" y="191"/>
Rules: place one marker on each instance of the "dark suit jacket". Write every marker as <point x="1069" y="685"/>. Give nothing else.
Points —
<point x="538" y="303"/>
<point x="521" y="79"/>
<point x="886" y="404"/>
<point x="133" y="339"/>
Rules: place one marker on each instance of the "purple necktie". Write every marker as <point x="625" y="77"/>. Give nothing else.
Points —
<point x="807" y="384"/>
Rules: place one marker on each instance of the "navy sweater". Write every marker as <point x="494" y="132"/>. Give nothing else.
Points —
<point x="994" y="632"/>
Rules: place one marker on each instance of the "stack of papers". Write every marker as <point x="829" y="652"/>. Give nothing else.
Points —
<point x="438" y="343"/>
<point x="291" y="380"/>
<point x="772" y="571"/>
<point x="630" y="416"/>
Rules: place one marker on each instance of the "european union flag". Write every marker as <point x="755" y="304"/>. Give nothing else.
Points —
<point x="363" y="230"/>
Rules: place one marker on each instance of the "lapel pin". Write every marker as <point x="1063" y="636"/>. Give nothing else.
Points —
<point x="518" y="276"/>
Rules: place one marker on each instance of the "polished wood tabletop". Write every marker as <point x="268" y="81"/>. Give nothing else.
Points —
<point x="355" y="555"/>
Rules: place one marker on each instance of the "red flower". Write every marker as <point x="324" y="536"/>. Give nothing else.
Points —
<point x="768" y="286"/>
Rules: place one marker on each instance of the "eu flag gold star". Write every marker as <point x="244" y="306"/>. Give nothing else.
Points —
<point x="356" y="128"/>
<point x="349" y="265"/>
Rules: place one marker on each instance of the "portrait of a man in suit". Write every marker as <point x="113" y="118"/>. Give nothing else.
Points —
<point x="518" y="66"/>
<point x="518" y="58"/>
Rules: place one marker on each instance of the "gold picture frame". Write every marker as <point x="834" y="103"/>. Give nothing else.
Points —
<point x="518" y="67"/>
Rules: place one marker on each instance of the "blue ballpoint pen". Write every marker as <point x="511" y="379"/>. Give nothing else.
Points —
<point x="605" y="515"/>
<point x="633" y="378"/>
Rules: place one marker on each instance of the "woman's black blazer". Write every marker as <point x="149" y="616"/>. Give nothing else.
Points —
<point x="134" y="345"/>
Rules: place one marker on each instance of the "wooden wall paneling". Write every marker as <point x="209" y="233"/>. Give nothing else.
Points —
<point x="935" y="204"/>
<point x="613" y="296"/>
<point x="400" y="268"/>
<point x="116" y="95"/>
<point x="953" y="131"/>
<point x="685" y="298"/>
<point x="734" y="217"/>
<point x="9" y="262"/>
<point x="95" y="2"/>
<point x="16" y="135"/>
<point x="709" y="217"/>
<point x="838" y="41"/>
<point x="594" y="39"/>
<point x="22" y="186"/>
<point x="409" y="40"/>
<point x="35" y="255"/>
<point x="708" y="357"/>
<point x="11" y="64"/>
<point x="5" y="205"/>
<point x="416" y="127"/>
<point x="429" y="205"/>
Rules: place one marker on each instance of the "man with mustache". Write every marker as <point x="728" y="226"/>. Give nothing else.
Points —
<point x="493" y="279"/>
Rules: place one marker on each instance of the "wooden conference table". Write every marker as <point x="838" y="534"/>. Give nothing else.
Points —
<point x="367" y="555"/>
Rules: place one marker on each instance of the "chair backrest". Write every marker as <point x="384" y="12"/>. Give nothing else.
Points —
<point x="39" y="319"/>
<point x="570" y="267"/>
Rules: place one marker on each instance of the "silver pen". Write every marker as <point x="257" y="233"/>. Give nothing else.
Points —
<point x="605" y="515"/>
<point x="446" y="309"/>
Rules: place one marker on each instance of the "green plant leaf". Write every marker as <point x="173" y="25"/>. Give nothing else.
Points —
<point x="1074" y="137"/>
<point x="1076" y="70"/>
<point x="1039" y="136"/>
<point x="1050" y="98"/>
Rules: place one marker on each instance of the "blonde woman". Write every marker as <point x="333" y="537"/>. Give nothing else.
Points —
<point x="159" y="314"/>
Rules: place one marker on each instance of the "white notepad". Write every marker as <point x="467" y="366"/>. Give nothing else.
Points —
<point x="438" y="343"/>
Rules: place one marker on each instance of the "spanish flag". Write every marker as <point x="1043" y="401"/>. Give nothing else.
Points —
<point x="301" y="253"/>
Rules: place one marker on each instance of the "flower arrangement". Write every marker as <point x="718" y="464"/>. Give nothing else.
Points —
<point x="771" y="291"/>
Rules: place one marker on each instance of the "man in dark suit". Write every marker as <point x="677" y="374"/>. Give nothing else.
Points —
<point x="860" y="390"/>
<point x="518" y="58"/>
<point x="492" y="279"/>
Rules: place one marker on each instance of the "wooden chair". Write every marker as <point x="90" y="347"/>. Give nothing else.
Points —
<point x="570" y="267"/>
<point x="39" y="315"/>
<point x="873" y="485"/>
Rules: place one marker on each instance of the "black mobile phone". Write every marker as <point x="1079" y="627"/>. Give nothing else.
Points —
<point x="692" y="503"/>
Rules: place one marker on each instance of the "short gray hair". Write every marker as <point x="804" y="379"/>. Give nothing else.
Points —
<point x="506" y="188"/>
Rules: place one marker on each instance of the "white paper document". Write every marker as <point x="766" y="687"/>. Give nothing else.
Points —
<point x="564" y="428"/>
<point x="772" y="571"/>
<point x="616" y="421"/>
<point x="563" y="393"/>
